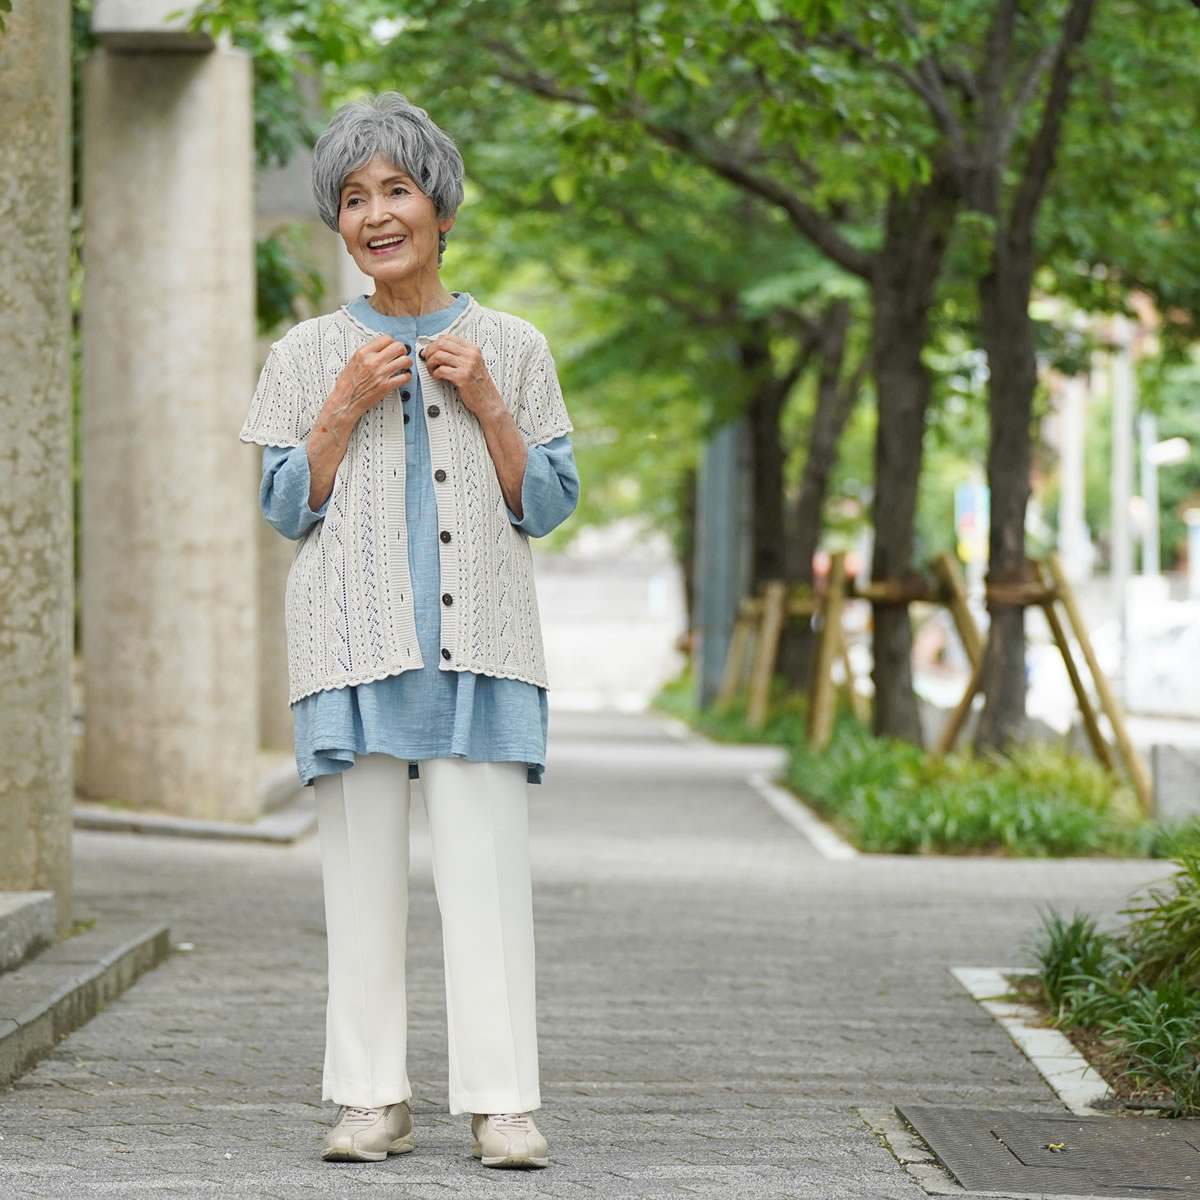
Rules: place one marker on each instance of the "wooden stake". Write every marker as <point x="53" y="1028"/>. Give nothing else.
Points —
<point x="958" y="718"/>
<point x="946" y="568"/>
<point x="1138" y="775"/>
<point x="1090" y="721"/>
<point x="766" y="653"/>
<point x="735" y="660"/>
<point x="823" y="700"/>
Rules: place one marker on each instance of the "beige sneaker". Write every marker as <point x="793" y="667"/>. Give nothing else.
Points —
<point x="369" y="1134"/>
<point x="508" y="1140"/>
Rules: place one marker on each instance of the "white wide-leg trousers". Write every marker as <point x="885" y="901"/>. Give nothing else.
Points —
<point x="478" y="818"/>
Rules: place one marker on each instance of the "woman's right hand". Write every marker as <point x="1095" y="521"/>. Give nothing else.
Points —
<point x="380" y="366"/>
<point x="374" y="369"/>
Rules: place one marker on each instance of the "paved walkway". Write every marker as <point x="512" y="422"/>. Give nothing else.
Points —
<point x="716" y="1000"/>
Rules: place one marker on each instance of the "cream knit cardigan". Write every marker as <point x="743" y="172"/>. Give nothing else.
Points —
<point x="349" y="609"/>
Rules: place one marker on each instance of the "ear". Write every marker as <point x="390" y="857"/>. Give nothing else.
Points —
<point x="448" y="224"/>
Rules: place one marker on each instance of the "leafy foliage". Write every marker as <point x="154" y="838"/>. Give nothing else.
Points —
<point x="888" y="796"/>
<point x="1135" y="988"/>
<point x="289" y="286"/>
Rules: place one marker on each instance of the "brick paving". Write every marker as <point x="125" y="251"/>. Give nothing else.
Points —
<point x="715" y="1002"/>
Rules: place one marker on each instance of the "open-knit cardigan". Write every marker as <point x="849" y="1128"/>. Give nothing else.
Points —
<point x="348" y="605"/>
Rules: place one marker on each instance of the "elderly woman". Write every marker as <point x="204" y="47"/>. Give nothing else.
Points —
<point x="414" y="441"/>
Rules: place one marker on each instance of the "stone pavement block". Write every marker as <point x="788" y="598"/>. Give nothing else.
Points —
<point x="716" y="1000"/>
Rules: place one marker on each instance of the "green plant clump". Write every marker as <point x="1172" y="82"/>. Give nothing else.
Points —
<point x="1136" y="990"/>
<point x="891" y="797"/>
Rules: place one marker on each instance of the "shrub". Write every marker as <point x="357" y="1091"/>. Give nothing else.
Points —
<point x="1135" y="988"/>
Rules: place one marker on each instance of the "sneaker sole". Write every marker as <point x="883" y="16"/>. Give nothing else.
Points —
<point x="340" y="1154"/>
<point x="512" y="1161"/>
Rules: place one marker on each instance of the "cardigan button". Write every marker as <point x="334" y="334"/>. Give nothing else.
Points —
<point x="440" y="475"/>
<point x="446" y="655"/>
<point x="447" y="599"/>
<point x="434" y="411"/>
<point x="445" y="536"/>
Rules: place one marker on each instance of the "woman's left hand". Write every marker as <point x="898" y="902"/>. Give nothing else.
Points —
<point x="453" y="360"/>
<point x="450" y="359"/>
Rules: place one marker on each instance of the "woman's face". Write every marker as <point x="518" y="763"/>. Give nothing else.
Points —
<point x="388" y="224"/>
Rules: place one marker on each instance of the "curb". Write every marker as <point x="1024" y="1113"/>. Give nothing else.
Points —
<point x="64" y="987"/>
<point x="824" y="839"/>
<point x="1073" y="1079"/>
<point x="27" y="921"/>
<point x="283" y="826"/>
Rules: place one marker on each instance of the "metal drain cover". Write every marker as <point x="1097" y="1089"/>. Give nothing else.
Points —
<point x="1062" y="1155"/>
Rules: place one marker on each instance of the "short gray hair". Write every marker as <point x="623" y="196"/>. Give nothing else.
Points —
<point x="399" y="132"/>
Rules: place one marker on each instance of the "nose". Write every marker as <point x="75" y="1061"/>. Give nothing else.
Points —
<point x="377" y="210"/>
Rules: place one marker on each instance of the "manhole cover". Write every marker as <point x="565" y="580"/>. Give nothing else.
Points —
<point x="1054" y="1155"/>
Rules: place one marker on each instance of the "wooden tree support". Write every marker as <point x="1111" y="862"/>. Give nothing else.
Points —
<point x="1046" y="593"/>
<point x="761" y="621"/>
<point x="757" y="631"/>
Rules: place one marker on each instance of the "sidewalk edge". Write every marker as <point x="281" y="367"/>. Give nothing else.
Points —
<point x="1072" y="1078"/>
<point x="29" y="1036"/>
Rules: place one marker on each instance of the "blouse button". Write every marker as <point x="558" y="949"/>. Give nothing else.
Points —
<point x="439" y="474"/>
<point x="446" y="655"/>
<point x="445" y="536"/>
<point x="434" y="411"/>
<point x="447" y="599"/>
<point x="406" y="418"/>
<point x="404" y="395"/>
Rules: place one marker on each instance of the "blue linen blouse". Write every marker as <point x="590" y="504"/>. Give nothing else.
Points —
<point x="427" y="712"/>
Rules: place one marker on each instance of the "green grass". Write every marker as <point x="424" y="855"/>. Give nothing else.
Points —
<point x="1133" y="992"/>
<point x="891" y="797"/>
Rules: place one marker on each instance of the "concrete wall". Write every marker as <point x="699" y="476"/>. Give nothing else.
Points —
<point x="35" y="451"/>
<point x="169" y="566"/>
<point x="283" y="197"/>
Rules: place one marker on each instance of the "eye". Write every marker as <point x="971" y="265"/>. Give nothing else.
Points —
<point x="399" y="190"/>
<point x="352" y="201"/>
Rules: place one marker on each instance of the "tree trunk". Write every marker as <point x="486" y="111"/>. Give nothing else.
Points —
<point x="1007" y="333"/>
<point x="763" y="409"/>
<point x="902" y="291"/>
<point x="685" y="542"/>
<point x="835" y="402"/>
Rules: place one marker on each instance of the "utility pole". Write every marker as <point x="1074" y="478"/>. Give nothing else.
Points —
<point x="723" y="541"/>
<point x="1122" y="480"/>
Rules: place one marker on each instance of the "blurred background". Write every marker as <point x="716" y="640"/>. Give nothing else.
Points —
<point x="892" y="281"/>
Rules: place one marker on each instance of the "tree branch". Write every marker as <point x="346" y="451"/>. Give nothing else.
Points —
<point x="1023" y="97"/>
<point x="927" y="85"/>
<point x="719" y="159"/>
<point x="1039" y="162"/>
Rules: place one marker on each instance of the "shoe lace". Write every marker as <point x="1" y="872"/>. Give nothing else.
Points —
<point x="512" y="1122"/>
<point x="352" y="1115"/>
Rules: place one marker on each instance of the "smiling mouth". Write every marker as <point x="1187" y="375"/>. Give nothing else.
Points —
<point x="386" y="243"/>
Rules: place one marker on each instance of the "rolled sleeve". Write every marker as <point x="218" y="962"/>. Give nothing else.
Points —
<point x="550" y="488"/>
<point x="283" y="493"/>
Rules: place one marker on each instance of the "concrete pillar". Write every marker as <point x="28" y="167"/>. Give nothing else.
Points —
<point x="169" y="541"/>
<point x="283" y="198"/>
<point x="35" y="452"/>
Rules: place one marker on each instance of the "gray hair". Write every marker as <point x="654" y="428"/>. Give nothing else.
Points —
<point x="399" y="132"/>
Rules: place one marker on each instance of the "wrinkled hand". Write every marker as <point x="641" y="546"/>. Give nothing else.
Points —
<point x="453" y="360"/>
<point x="375" y="369"/>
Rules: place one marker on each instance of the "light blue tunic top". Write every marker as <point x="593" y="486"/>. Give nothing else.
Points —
<point x="424" y="713"/>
